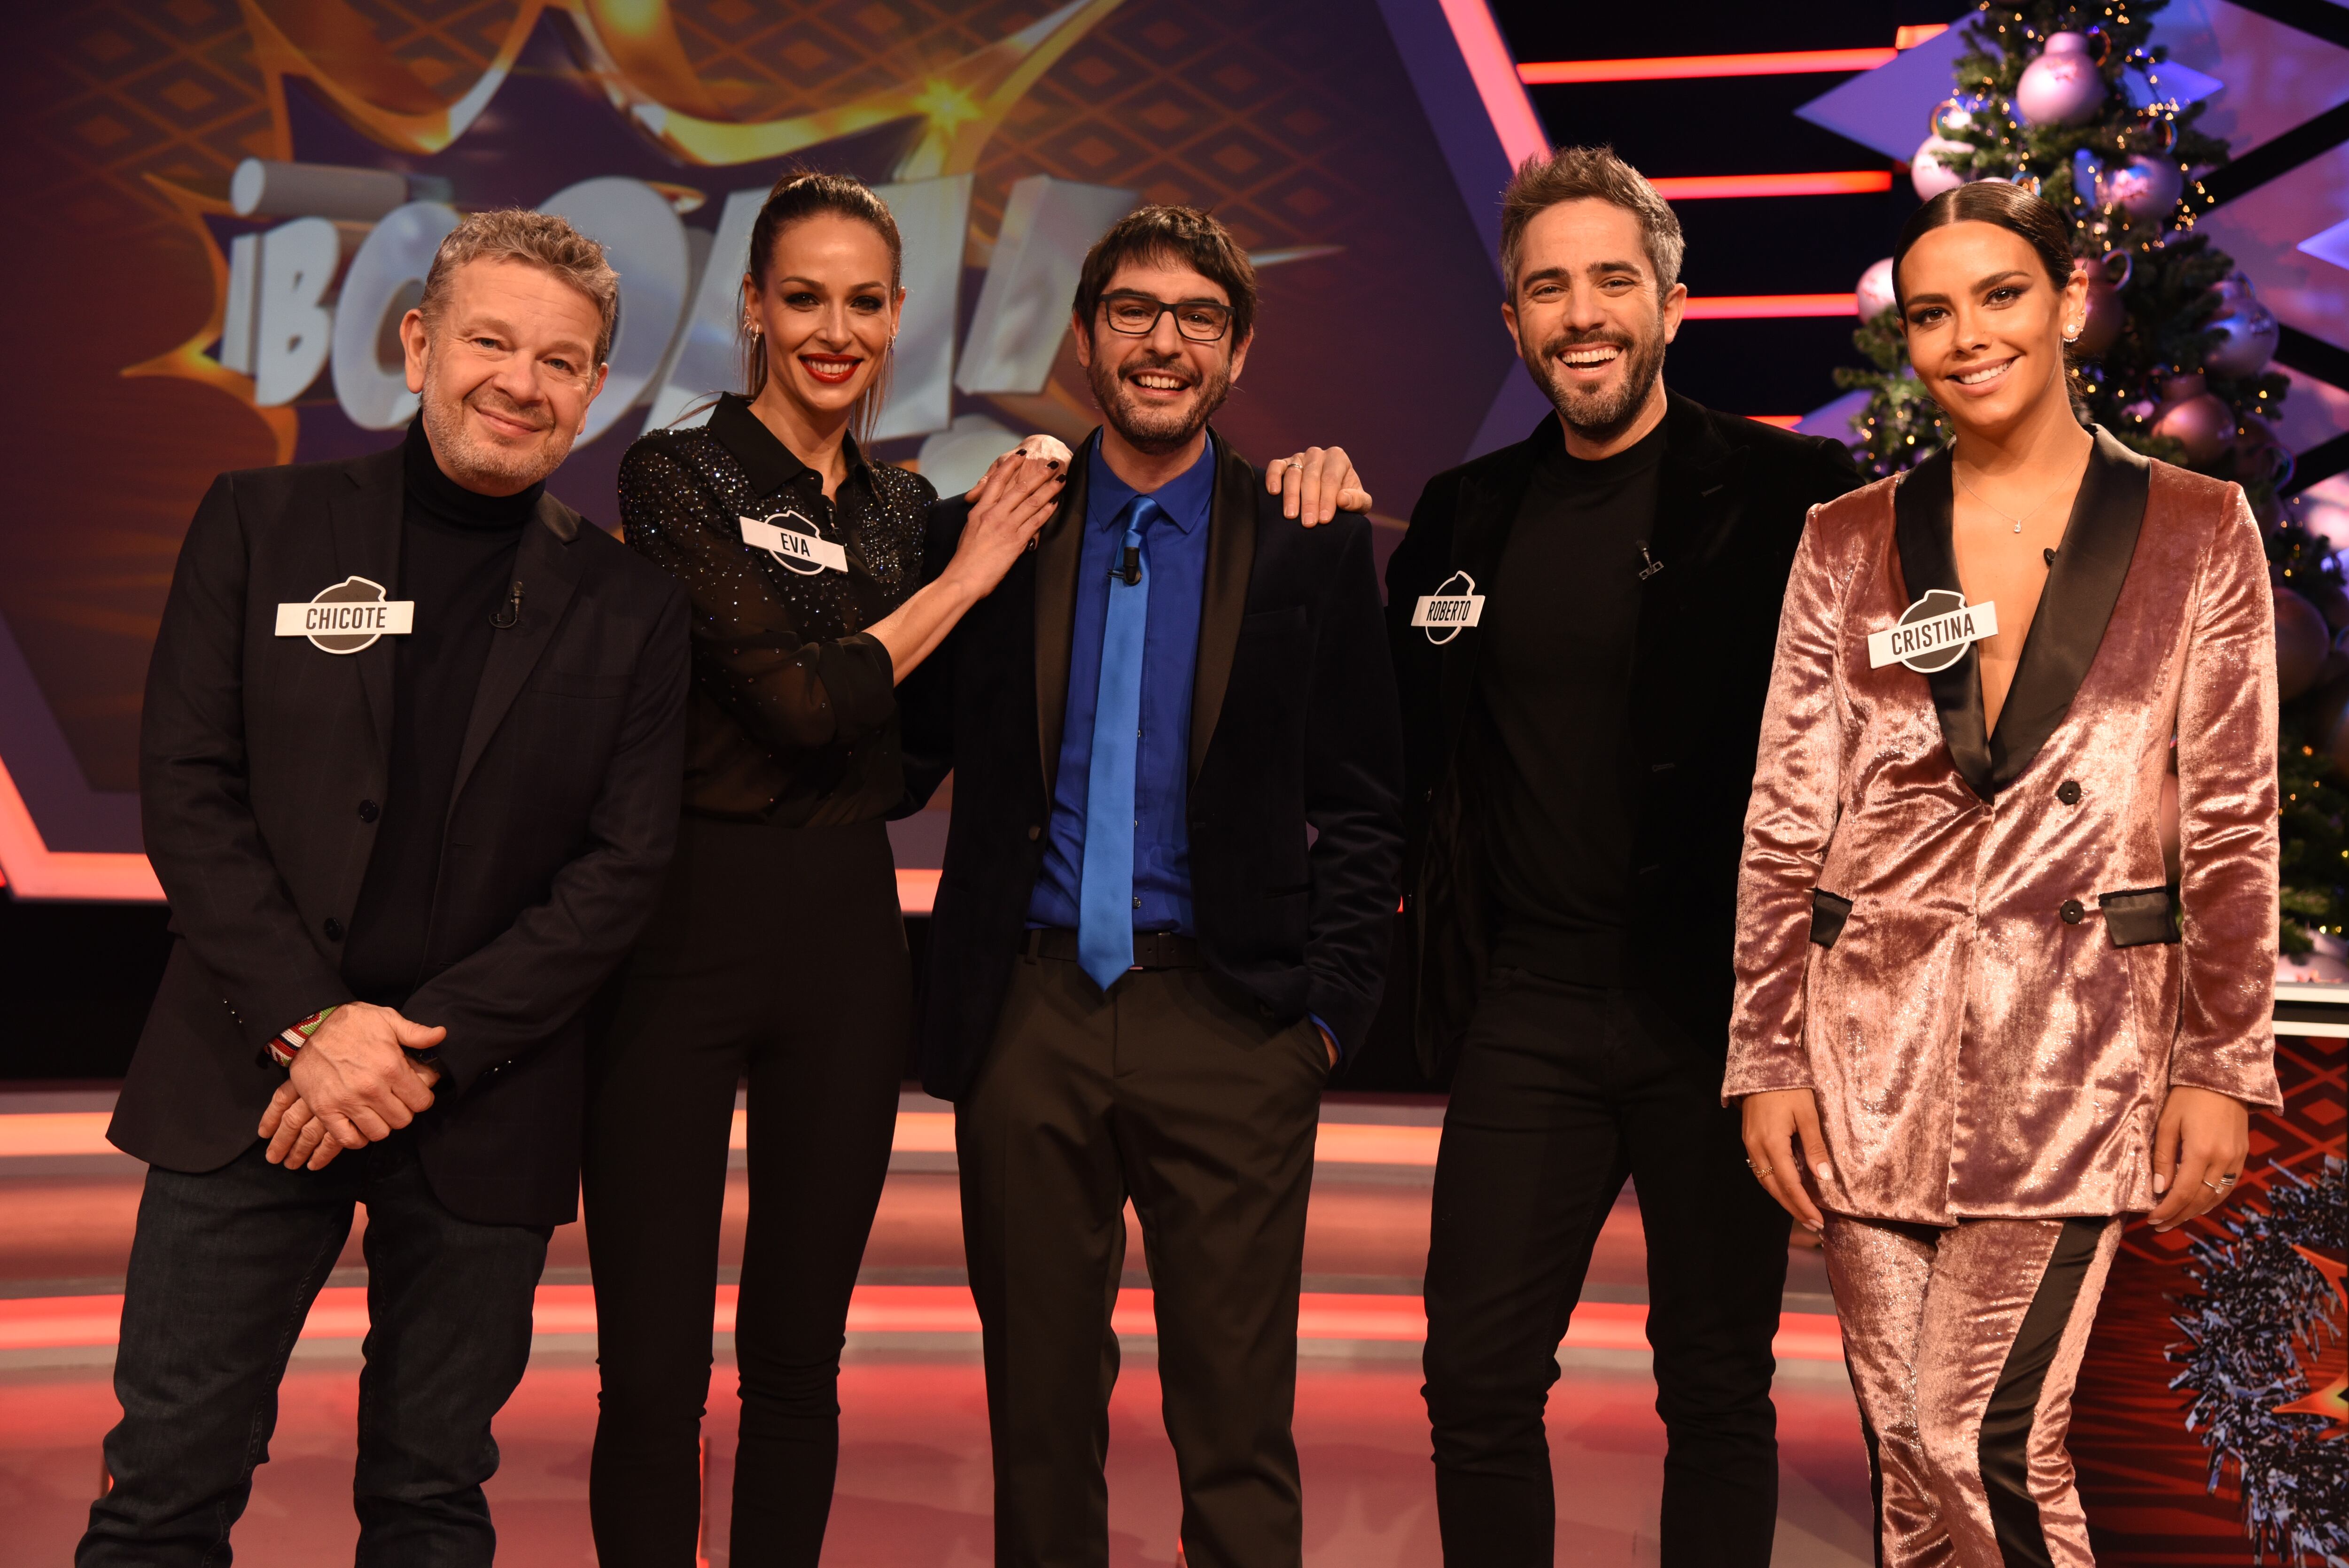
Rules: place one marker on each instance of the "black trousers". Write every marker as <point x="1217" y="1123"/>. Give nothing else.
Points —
<point x="1202" y="1111"/>
<point x="1561" y="1092"/>
<point x="223" y="1268"/>
<point x="778" y="954"/>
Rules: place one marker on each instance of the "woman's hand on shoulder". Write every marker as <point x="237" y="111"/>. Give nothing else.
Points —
<point x="1010" y="504"/>
<point x="1317" y="484"/>
<point x="1039" y="448"/>
<point x="1783" y="1146"/>
<point x="2199" y="1150"/>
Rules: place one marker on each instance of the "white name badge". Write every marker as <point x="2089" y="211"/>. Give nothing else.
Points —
<point x="1932" y="634"/>
<point x="347" y="617"/>
<point x="794" y="541"/>
<point x="1454" y="605"/>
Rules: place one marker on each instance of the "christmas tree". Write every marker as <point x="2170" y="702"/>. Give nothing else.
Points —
<point x="2065" y="100"/>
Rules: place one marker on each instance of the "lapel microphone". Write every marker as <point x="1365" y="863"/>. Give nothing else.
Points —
<point x="1129" y="569"/>
<point x="1646" y="571"/>
<point x="509" y="613"/>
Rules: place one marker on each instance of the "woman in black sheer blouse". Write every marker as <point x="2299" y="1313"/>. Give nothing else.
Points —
<point x="778" y="952"/>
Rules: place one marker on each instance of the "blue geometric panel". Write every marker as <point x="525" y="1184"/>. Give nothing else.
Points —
<point x="1886" y="108"/>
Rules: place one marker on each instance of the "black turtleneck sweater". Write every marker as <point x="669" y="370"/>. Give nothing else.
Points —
<point x="1554" y="686"/>
<point x="456" y="560"/>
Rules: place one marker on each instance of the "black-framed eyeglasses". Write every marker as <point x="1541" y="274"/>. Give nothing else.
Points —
<point x="1136" y="314"/>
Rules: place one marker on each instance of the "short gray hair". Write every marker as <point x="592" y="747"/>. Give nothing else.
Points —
<point x="538" y="240"/>
<point x="1586" y="174"/>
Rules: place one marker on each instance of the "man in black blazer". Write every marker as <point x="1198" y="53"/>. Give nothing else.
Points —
<point x="1583" y="625"/>
<point x="410" y="762"/>
<point x="1163" y="914"/>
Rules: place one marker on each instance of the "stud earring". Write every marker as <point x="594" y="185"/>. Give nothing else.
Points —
<point x="2072" y="333"/>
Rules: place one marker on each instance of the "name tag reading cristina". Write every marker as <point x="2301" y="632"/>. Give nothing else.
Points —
<point x="794" y="541"/>
<point x="1932" y="634"/>
<point x="1454" y="604"/>
<point x="347" y="617"/>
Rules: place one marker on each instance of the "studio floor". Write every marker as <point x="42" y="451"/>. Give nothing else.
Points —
<point x="914" y="1477"/>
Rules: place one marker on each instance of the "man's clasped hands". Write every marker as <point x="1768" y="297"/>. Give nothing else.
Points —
<point x="353" y="1084"/>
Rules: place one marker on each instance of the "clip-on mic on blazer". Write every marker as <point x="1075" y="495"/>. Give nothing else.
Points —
<point x="509" y="613"/>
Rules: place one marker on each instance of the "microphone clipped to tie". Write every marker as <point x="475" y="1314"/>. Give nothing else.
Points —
<point x="509" y="615"/>
<point x="1128" y="567"/>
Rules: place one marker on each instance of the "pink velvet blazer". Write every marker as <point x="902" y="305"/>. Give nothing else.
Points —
<point x="1963" y="943"/>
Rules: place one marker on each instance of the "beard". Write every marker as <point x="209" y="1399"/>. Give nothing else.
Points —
<point x="1149" y="428"/>
<point x="485" y="466"/>
<point x="1601" y="413"/>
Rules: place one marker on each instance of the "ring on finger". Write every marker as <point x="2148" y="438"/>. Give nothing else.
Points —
<point x="1296" y="462"/>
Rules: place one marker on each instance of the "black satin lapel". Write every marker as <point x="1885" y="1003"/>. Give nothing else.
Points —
<point x="1060" y="550"/>
<point x="1920" y="531"/>
<point x="2083" y="585"/>
<point x="1223" y="600"/>
<point x="1487" y="515"/>
<point x="548" y="570"/>
<point x="365" y="523"/>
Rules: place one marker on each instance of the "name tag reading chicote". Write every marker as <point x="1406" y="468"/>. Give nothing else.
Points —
<point x="792" y="540"/>
<point x="347" y="617"/>
<point x="1932" y="634"/>
<point x="1454" y="604"/>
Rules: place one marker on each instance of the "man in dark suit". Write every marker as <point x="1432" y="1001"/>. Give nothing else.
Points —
<point x="1583" y="627"/>
<point x="410" y="763"/>
<point x="1163" y="916"/>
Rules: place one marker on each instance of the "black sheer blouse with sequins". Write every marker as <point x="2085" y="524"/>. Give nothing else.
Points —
<point x="793" y="716"/>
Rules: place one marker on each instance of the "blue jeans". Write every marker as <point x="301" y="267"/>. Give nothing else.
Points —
<point x="224" y="1269"/>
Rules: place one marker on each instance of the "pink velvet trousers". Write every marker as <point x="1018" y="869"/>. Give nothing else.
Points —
<point x="1964" y="1342"/>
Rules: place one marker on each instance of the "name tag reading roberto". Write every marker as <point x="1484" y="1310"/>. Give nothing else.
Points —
<point x="794" y="541"/>
<point x="347" y="617"/>
<point x="1454" y="604"/>
<point x="1932" y="634"/>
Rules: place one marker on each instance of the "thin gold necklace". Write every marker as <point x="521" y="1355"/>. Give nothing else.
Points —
<point x="2011" y="516"/>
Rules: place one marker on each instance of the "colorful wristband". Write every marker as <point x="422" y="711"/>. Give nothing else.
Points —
<point x="290" y="1040"/>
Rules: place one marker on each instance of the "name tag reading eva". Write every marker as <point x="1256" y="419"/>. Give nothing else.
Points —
<point x="1932" y="634"/>
<point x="347" y="617"/>
<point x="792" y="540"/>
<point x="1454" y="604"/>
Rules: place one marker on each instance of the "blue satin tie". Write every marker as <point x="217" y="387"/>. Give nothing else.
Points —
<point x="1105" y="897"/>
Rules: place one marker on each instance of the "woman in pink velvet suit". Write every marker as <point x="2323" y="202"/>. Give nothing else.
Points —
<point x="1978" y="1018"/>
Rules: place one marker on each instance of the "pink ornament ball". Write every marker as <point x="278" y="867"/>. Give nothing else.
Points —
<point x="2303" y="639"/>
<point x="2144" y="188"/>
<point x="2203" y="424"/>
<point x="2063" y="86"/>
<point x="1928" y="173"/>
<point x="1874" y="293"/>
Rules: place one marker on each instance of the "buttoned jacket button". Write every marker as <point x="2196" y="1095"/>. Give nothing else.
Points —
<point x="333" y="929"/>
<point x="370" y="811"/>
<point x="2068" y="792"/>
<point x="2072" y="912"/>
<point x="1035" y="831"/>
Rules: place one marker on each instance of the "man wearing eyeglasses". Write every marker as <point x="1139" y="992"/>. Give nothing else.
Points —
<point x="1164" y="910"/>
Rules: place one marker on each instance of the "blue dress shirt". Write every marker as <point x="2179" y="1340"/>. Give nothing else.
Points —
<point x="1175" y="546"/>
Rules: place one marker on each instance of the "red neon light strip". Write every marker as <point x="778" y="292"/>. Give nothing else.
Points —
<point x="1763" y="307"/>
<point x="1675" y="68"/>
<point x="1826" y="183"/>
<point x="340" y="1312"/>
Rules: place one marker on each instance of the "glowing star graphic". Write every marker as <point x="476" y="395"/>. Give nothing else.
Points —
<point x="2330" y="1400"/>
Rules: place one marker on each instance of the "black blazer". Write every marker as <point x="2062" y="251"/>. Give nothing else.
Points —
<point x="1729" y="513"/>
<point x="256" y="752"/>
<point x="1296" y="766"/>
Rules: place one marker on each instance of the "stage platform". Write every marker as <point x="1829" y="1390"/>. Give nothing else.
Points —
<point x="913" y="1479"/>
